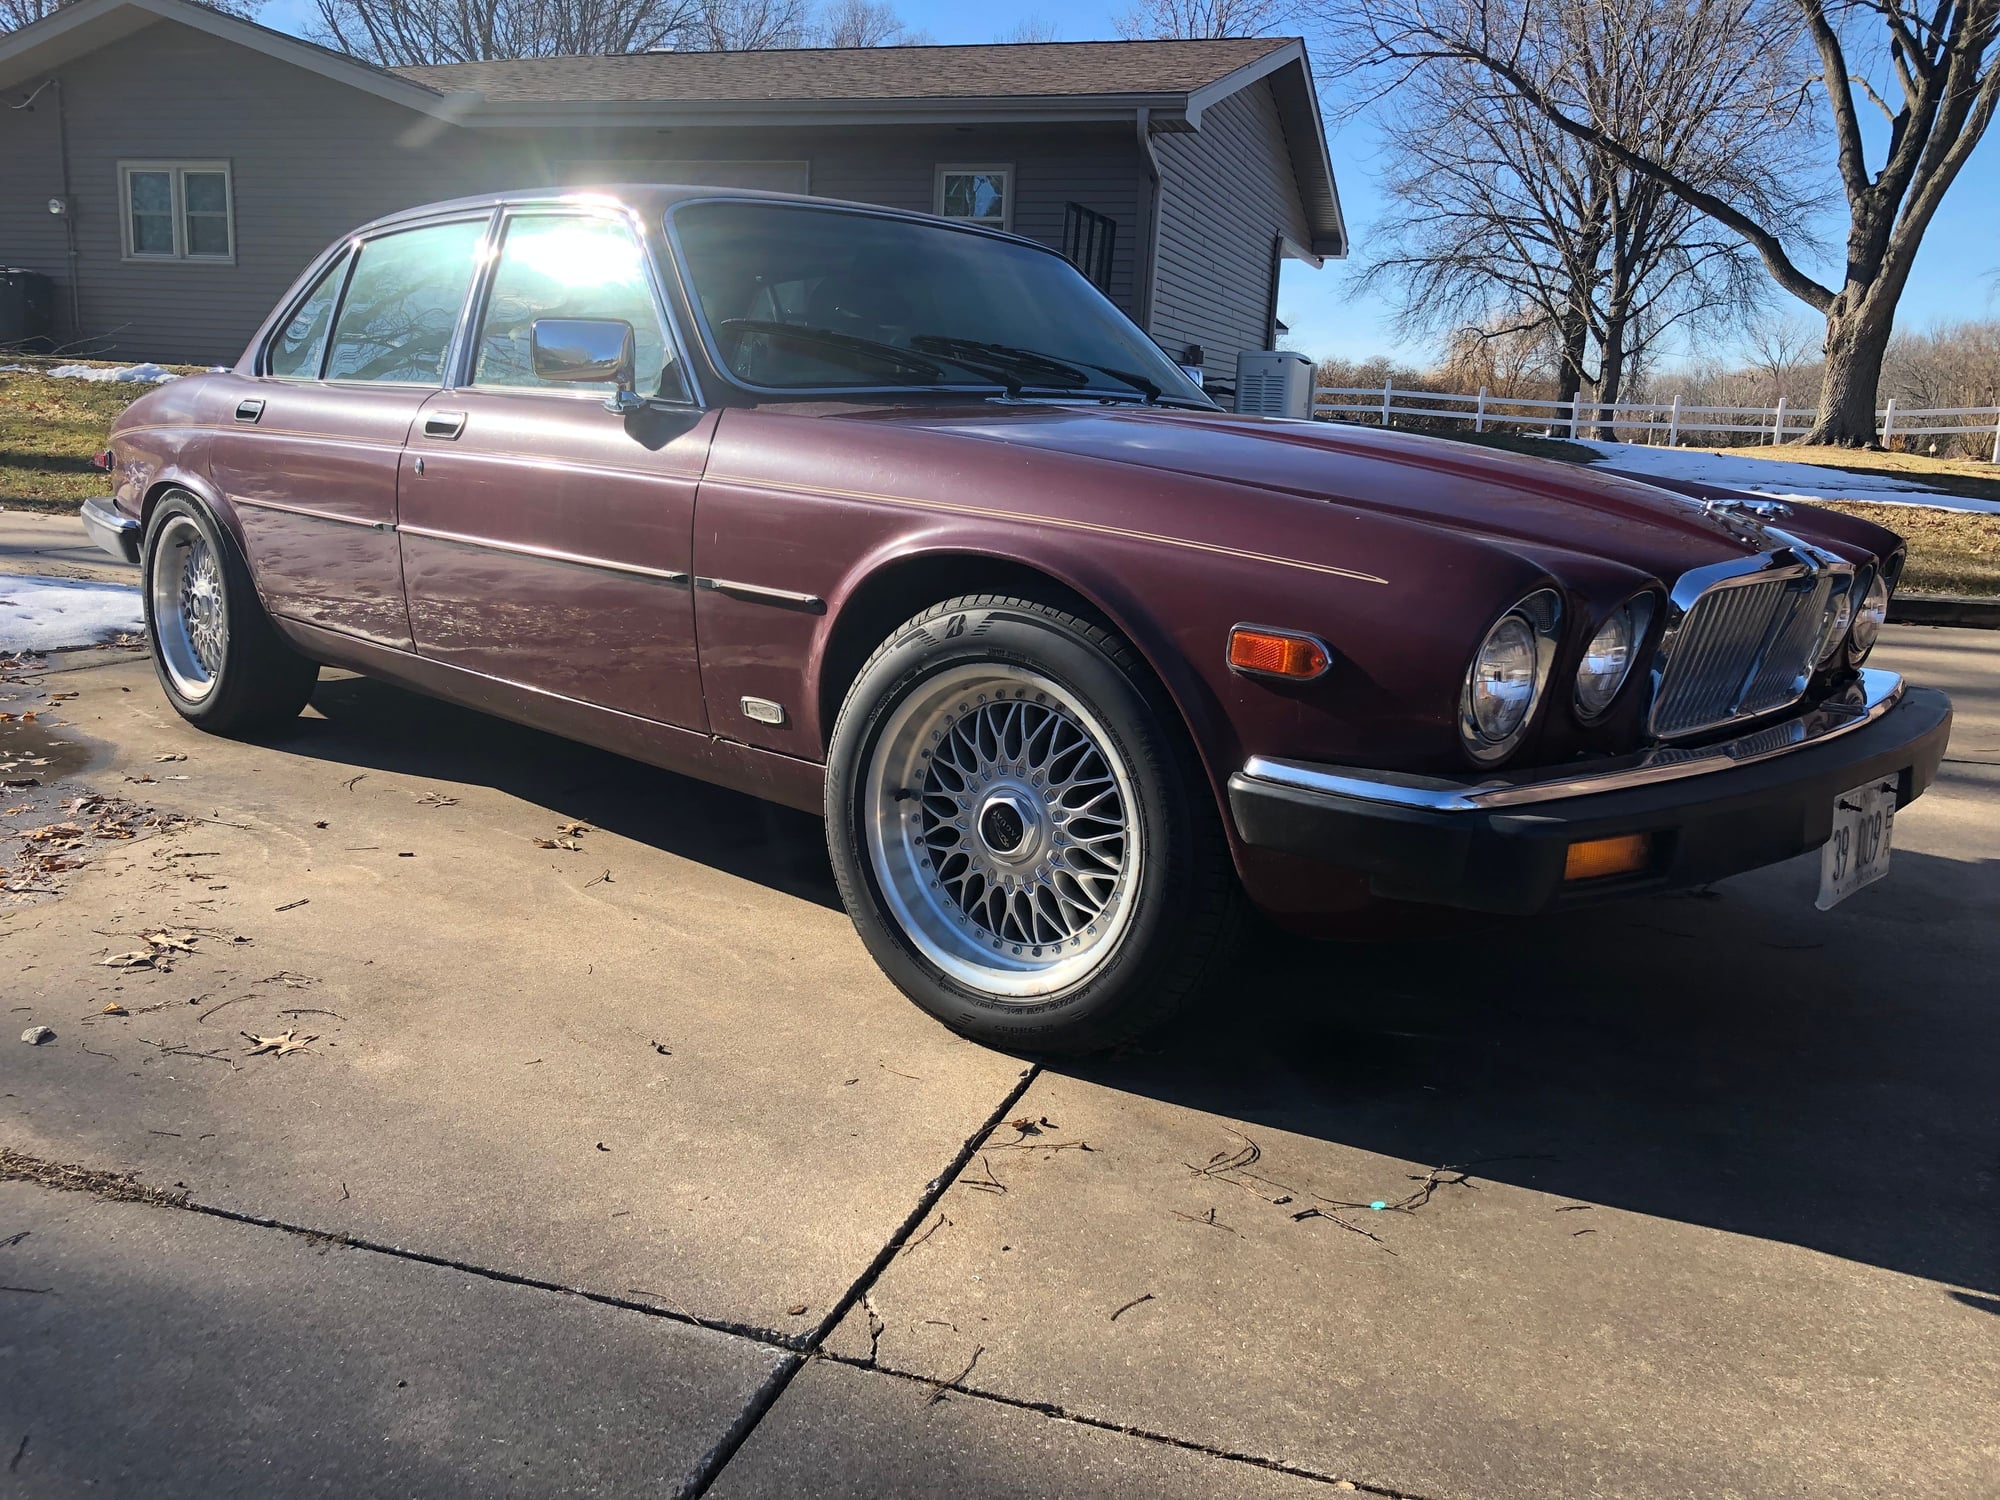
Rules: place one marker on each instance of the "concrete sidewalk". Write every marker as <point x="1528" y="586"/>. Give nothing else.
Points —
<point x="636" y="1172"/>
<point x="55" y="546"/>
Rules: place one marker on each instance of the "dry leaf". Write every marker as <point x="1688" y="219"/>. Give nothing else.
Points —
<point x="278" y="1046"/>
<point x="164" y="758"/>
<point x="114" y="1009"/>
<point x="570" y="844"/>
<point x="138" y="959"/>
<point x="437" y="799"/>
<point x="175" y="942"/>
<point x="572" y="828"/>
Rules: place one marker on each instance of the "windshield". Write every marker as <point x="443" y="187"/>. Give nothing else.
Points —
<point x="797" y="298"/>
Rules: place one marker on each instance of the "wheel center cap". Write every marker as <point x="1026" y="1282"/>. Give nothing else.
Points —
<point x="1007" y="825"/>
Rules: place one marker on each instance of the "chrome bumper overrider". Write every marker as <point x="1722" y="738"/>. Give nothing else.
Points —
<point x="1861" y="702"/>
<point x="116" y="533"/>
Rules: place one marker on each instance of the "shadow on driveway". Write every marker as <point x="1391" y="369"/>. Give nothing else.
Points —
<point x="1730" y="1059"/>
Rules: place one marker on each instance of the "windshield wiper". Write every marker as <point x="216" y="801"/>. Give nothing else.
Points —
<point x="1027" y="359"/>
<point x="877" y="350"/>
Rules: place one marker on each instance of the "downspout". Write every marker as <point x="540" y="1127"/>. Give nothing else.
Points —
<point x="69" y="200"/>
<point x="1143" y="272"/>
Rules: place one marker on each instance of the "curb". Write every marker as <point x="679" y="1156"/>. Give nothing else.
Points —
<point x="1945" y="609"/>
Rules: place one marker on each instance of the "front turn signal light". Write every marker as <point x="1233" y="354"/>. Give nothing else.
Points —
<point x="1594" y="859"/>
<point x="1277" y="653"/>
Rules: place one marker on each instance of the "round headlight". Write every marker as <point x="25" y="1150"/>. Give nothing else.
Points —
<point x="1607" y="660"/>
<point x="1833" y="625"/>
<point x="1501" y="689"/>
<point x="1868" y="620"/>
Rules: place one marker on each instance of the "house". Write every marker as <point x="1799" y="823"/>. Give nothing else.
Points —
<point x="173" y="169"/>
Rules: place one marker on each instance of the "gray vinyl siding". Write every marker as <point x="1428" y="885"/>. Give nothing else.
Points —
<point x="311" y="158"/>
<point x="1227" y="191"/>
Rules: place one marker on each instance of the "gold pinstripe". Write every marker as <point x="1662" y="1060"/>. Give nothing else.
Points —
<point x="1092" y="527"/>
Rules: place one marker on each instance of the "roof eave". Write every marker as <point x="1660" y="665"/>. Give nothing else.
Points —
<point x="1289" y="70"/>
<point x="45" y="45"/>
<point x="1028" y="109"/>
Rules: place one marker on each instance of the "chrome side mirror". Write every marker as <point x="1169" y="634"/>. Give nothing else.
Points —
<point x="588" y="351"/>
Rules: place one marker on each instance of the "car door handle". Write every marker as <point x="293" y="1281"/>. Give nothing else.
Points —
<point x="444" y="424"/>
<point x="249" y="410"/>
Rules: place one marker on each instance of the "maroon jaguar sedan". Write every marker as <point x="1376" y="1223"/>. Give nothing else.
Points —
<point x="902" y="520"/>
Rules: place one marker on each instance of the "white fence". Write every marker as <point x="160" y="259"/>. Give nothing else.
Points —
<point x="1585" y="418"/>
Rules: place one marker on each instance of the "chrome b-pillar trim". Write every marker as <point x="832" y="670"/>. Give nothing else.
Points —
<point x="1863" y="701"/>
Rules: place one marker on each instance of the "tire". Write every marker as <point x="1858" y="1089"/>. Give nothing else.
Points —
<point x="219" y="659"/>
<point x="1021" y="832"/>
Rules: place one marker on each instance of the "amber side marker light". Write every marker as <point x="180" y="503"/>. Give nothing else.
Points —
<point x="1277" y="653"/>
<point x="1596" y="858"/>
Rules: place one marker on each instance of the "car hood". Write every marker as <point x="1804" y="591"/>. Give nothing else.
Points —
<point x="1539" y="503"/>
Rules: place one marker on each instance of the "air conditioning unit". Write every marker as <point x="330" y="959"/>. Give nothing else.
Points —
<point x="1275" y="383"/>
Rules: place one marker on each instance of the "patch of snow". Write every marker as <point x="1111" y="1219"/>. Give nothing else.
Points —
<point x="146" y="374"/>
<point x="52" y="614"/>
<point x="1777" y="478"/>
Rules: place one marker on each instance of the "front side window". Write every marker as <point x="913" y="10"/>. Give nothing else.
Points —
<point x="796" y="297"/>
<point x="402" y="305"/>
<point x="296" y="350"/>
<point x="178" y="210"/>
<point x="572" y="266"/>
<point x="978" y="195"/>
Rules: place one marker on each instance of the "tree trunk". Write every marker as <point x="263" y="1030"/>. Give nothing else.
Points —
<point x="1611" y="377"/>
<point x="1575" y="341"/>
<point x="1857" y="338"/>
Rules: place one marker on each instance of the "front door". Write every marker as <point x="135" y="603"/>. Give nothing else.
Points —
<point x="546" y="539"/>
<point x="310" y="446"/>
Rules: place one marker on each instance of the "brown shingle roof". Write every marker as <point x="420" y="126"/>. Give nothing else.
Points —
<point x="1020" y="70"/>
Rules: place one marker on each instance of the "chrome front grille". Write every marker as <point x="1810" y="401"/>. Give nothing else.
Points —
<point x="1742" y="648"/>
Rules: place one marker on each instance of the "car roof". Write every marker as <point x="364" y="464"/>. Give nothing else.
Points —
<point x="652" y="199"/>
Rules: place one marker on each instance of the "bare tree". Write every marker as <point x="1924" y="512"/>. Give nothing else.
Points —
<point x="745" y="25"/>
<point x="1765" y="61"/>
<point x="1780" y="348"/>
<point x="1502" y="226"/>
<point x="14" y="14"/>
<point x="1155" y="20"/>
<point x="864" y="23"/>
<point x="1036" y="28"/>
<point x="409" y="33"/>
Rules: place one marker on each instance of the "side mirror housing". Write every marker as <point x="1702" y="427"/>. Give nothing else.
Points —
<point x="588" y="351"/>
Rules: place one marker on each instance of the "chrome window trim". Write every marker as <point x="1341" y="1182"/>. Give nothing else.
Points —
<point x="352" y="246"/>
<point x="545" y="554"/>
<point x="1791" y="559"/>
<point x="595" y="207"/>
<point x="1865" y="700"/>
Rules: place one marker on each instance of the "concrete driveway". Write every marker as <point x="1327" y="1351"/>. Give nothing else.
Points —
<point x="618" y="1168"/>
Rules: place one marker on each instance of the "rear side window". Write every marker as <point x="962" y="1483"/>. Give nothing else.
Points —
<point x="296" y="352"/>
<point x="402" y="305"/>
<point x="572" y="266"/>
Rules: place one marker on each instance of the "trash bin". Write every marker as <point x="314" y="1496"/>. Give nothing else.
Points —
<point x="27" y="309"/>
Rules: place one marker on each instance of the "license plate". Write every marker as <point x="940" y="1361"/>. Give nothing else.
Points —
<point x="1858" y="853"/>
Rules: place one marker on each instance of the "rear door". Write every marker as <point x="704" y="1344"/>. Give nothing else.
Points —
<point x="312" y="444"/>
<point x="545" y="538"/>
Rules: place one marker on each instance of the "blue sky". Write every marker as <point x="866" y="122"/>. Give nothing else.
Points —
<point x="1957" y="274"/>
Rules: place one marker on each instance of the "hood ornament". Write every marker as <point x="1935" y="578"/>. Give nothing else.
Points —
<point x="1731" y="505"/>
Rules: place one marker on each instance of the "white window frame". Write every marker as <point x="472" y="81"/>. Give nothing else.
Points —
<point x="177" y="169"/>
<point x="1002" y="170"/>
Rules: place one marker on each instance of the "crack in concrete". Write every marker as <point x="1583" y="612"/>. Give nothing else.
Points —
<point x="794" y="1350"/>
<point x="1059" y="1413"/>
<point x="718" y="1457"/>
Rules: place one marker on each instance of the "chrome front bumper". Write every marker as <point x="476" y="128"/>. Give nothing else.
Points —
<point x="1499" y="843"/>
<point x="111" y="529"/>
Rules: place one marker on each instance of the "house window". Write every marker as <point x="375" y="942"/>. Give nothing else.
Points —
<point x="978" y="195"/>
<point x="178" y="210"/>
<point x="1088" y="237"/>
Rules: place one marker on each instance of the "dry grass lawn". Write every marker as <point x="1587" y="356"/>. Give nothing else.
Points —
<point x="49" y="428"/>
<point x="1951" y="551"/>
